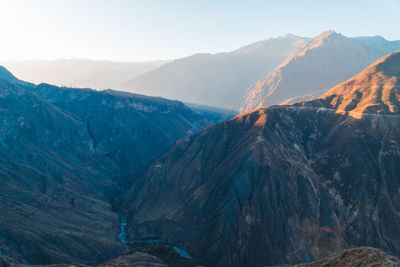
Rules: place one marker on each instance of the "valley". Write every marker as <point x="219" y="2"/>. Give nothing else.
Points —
<point x="199" y="133"/>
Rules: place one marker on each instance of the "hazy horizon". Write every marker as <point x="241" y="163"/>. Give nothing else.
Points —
<point x="164" y="30"/>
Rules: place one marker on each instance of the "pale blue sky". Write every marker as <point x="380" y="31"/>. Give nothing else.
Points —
<point x="160" y="29"/>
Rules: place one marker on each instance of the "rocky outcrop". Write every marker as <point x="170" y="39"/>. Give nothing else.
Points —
<point x="281" y="184"/>
<point x="362" y="257"/>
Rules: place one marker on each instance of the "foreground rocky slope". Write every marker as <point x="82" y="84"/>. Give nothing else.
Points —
<point x="323" y="62"/>
<point x="64" y="154"/>
<point x="282" y="184"/>
<point x="361" y="257"/>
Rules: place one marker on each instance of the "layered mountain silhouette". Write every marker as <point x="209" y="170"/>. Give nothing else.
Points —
<point x="323" y="62"/>
<point x="379" y="44"/>
<point x="64" y="155"/>
<point x="8" y="76"/>
<point x="81" y="73"/>
<point x="283" y="184"/>
<point x="216" y="79"/>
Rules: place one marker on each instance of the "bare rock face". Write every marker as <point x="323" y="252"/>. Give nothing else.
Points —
<point x="362" y="257"/>
<point x="51" y="210"/>
<point x="323" y="62"/>
<point x="281" y="184"/>
<point x="64" y="154"/>
<point x="128" y="128"/>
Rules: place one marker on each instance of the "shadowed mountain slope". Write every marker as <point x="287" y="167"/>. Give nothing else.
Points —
<point x="281" y="184"/>
<point x="64" y="154"/>
<point x="131" y="129"/>
<point x="212" y="114"/>
<point x="51" y="210"/>
<point x="8" y="76"/>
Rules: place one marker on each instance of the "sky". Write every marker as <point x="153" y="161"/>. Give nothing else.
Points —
<point x="141" y="30"/>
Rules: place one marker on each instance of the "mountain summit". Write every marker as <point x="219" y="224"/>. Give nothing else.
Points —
<point x="323" y="62"/>
<point x="218" y="80"/>
<point x="376" y="90"/>
<point x="283" y="45"/>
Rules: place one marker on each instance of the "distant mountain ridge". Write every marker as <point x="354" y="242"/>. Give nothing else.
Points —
<point x="216" y="79"/>
<point x="379" y="44"/>
<point x="81" y="73"/>
<point x="284" y="45"/>
<point x="270" y="71"/>
<point x="323" y="62"/>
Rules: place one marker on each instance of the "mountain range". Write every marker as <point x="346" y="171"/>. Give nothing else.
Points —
<point x="285" y="70"/>
<point x="216" y="79"/>
<point x="81" y="73"/>
<point x="111" y="178"/>
<point x="282" y="184"/>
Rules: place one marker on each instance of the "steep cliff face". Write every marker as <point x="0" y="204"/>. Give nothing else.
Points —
<point x="128" y="128"/>
<point x="323" y="62"/>
<point x="64" y="153"/>
<point x="281" y="184"/>
<point x="50" y="208"/>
